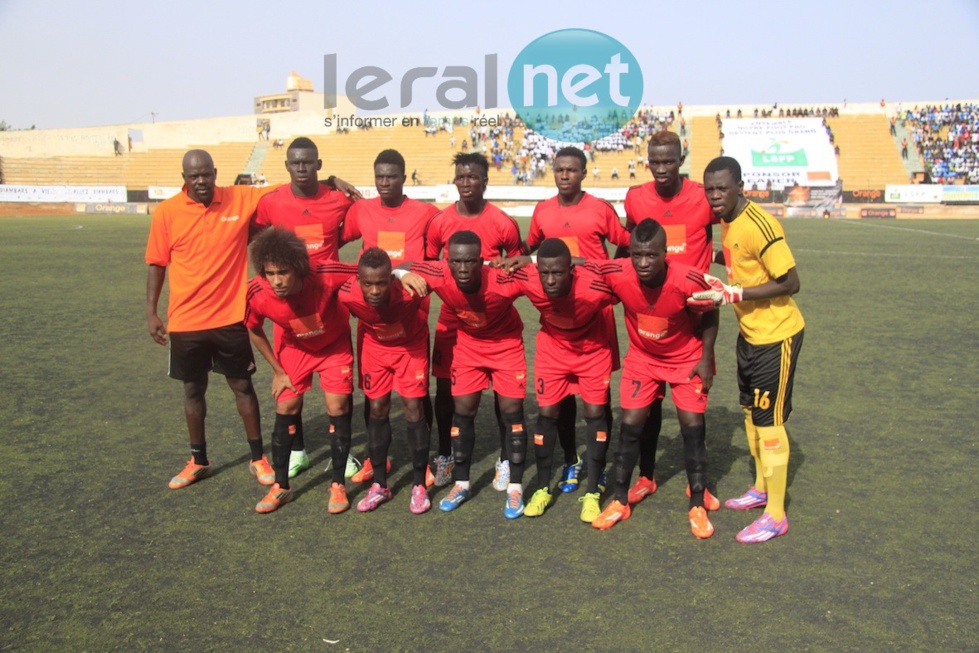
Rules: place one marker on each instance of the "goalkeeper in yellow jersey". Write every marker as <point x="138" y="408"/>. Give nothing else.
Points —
<point x="763" y="279"/>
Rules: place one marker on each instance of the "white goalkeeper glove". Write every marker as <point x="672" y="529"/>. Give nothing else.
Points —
<point x="718" y="295"/>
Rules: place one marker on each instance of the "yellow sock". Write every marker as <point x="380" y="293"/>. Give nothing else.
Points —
<point x="774" y="450"/>
<point x="749" y="427"/>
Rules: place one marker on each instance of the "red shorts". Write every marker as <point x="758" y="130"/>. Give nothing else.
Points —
<point x="385" y="368"/>
<point x="445" y="341"/>
<point x="644" y="381"/>
<point x="334" y="364"/>
<point x="479" y="362"/>
<point x="559" y="373"/>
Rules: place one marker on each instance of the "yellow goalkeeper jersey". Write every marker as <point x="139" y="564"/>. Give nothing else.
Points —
<point x="755" y="252"/>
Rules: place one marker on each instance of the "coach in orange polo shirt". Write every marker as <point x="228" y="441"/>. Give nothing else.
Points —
<point x="201" y="235"/>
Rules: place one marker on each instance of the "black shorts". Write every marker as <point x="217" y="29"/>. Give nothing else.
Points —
<point x="765" y="377"/>
<point x="226" y="350"/>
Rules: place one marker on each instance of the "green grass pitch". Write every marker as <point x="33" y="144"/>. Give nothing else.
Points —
<point x="99" y="555"/>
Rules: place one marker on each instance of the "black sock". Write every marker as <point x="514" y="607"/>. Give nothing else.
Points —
<point x="429" y="411"/>
<point x="258" y="449"/>
<point x="298" y="439"/>
<point x="566" y="420"/>
<point x="501" y="425"/>
<point x="339" y="445"/>
<point x="596" y="452"/>
<point x="444" y="410"/>
<point x="199" y="452"/>
<point x="625" y="460"/>
<point x="544" y="440"/>
<point x="517" y="453"/>
<point x="367" y="413"/>
<point x="695" y="460"/>
<point x="281" y="445"/>
<point x="463" y="441"/>
<point x="650" y="440"/>
<point x="378" y="443"/>
<point x="419" y="435"/>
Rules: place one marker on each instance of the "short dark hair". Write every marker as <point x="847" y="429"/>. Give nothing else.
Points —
<point x="278" y="246"/>
<point x="392" y="157"/>
<point x="665" y="139"/>
<point x="465" y="238"/>
<point x="575" y="152"/>
<point x="724" y="163"/>
<point x="303" y="143"/>
<point x="553" y="248"/>
<point x="374" y="258"/>
<point x="472" y="159"/>
<point x="646" y="230"/>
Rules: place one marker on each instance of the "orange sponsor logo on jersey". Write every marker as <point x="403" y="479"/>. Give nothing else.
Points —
<point x="516" y="428"/>
<point x="307" y="326"/>
<point x="472" y="318"/>
<point x="653" y="327"/>
<point x="392" y="242"/>
<point x="389" y="331"/>
<point x="572" y="243"/>
<point x="521" y="376"/>
<point x="771" y="445"/>
<point x="601" y="436"/>
<point x="676" y="238"/>
<point x="454" y="432"/>
<point x="312" y="235"/>
<point x="419" y="375"/>
<point x="538" y="439"/>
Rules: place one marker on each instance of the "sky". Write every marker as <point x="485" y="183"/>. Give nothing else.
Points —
<point x="112" y="61"/>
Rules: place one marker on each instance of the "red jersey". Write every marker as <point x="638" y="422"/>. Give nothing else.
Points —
<point x="488" y="313"/>
<point x="686" y="217"/>
<point x="398" y="324"/>
<point x="317" y="220"/>
<point x="584" y="227"/>
<point x="497" y="231"/>
<point x="398" y="231"/>
<point x="576" y="322"/>
<point x="312" y="318"/>
<point x="657" y="319"/>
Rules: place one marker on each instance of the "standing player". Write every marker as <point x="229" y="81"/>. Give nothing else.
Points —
<point x="762" y="270"/>
<point x="314" y="337"/>
<point x="667" y="345"/>
<point x="584" y="223"/>
<point x="315" y="212"/>
<point x="489" y="347"/>
<point x="573" y="353"/>
<point x="394" y="355"/>
<point x="679" y="205"/>
<point x="397" y="224"/>
<point x="498" y="233"/>
<point x="201" y="235"/>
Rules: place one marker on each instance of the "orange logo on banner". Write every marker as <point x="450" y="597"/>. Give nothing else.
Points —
<point x="676" y="238"/>
<point x="538" y="439"/>
<point x="307" y="326"/>
<point x="771" y="445"/>
<point x="472" y="318"/>
<point x="389" y="331"/>
<point x="454" y="432"/>
<point x="572" y="243"/>
<point x="312" y="235"/>
<point x="653" y="327"/>
<point x="601" y="436"/>
<point x="392" y="242"/>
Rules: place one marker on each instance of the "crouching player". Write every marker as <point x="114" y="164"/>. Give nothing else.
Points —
<point x="665" y="347"/>
<point x="762" y="270"/>
<point x="394" y="356"/>
<point x="573" y="351"/>
<point x="315" y="339"/>
<point x="489" y="347"/>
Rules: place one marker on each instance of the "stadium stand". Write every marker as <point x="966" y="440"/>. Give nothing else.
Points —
<point x="947" y="140"/>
